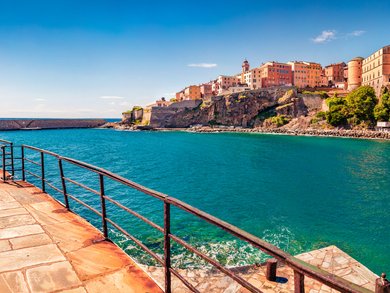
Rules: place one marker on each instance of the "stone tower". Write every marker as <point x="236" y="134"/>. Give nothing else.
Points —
<point x="355" y="73"/>
<point x="245" y="68"/>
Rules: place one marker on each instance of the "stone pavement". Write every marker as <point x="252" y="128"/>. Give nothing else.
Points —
<point x="45" y="248"/>
<point x="330" y="259"/>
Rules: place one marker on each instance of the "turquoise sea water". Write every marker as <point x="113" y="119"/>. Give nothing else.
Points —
<point x="299" y="193"/>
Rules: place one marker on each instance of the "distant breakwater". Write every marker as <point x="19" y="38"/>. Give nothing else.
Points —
<point x="35" y="124"/>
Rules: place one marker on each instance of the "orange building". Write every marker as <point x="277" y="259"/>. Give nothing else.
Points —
<point x="355" y="73"/>
<point x="334" y="73"/>
<point x="376" y="70"/>
<point x="306" y="74"/>
<point x="275" y="74"/>
<point x="192" y="92"/>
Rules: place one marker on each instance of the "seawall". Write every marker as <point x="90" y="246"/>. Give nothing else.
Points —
<point x="20" y="124"/>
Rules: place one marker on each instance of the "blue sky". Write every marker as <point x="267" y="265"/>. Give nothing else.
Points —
<point x="98" y="58"/>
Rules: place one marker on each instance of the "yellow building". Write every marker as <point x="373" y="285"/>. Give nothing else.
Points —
<point x="376" y="69"/>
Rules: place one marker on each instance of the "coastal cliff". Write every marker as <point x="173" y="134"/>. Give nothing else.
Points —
<point x="244" y="109"/>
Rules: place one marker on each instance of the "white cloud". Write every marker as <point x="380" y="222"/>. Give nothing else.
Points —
<point x="202" y="65"/>
<point x="325" y="37"/>
<point x="356" y="33"/>
<point x="40" y="100"/>
<point x="111" y="98"/>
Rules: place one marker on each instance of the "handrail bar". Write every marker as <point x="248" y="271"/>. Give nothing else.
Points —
<point x="5" y="141"/>
<point x="300" y="266"/>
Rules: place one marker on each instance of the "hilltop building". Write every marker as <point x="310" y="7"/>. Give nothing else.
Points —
<point x="306" y="74"/>
<point x="376" y="69"/>
<point x="206" y="90"/>
<point x="275" y="74"/>
<point x="191" y="92"/>
<point x="355" y="73"/>
<point x="334" y="73"/>
<point x="224" y="82"/>
<point x="250" y="77"/>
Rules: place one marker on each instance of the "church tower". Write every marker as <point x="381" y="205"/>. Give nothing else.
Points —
<point x="245" y="68"/>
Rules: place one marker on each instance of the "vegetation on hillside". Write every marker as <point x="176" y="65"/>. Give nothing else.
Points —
<point x="382" y="110"/>
<point x="356" y="109"/>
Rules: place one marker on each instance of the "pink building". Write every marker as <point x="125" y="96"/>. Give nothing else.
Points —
<point x="224" y="82"/>
<point x="206" y="90"/>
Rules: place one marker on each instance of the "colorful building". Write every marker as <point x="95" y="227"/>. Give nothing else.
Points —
<point x="306" y="74"/>
<point x="224" y="82"/>
<point x="206" y="90"/>
<point x="334" y="73"/>
<point x="355" y="73"/>
<point x="275" y="74"/>
<point x="192" y="92"/>
<point x="376" y="70"/>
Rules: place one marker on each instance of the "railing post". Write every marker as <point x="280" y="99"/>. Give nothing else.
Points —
<point x="103" y="204"/>
<point x="63" y="184"/>
<point x="299" y="282"/>
<point x="271" y="269"/>
<point x="12" y="159"/>
<point x="167" y="247"/>
<point x="43" y="172"/>
<point x="23" y="171"/>
<point x="382" y="285"/>
<point x="3" y="161"/>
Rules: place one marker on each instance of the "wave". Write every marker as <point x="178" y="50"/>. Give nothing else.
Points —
<point x="229" y="253"/>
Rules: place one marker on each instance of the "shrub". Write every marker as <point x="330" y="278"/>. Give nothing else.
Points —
<point x="279" y="120"/>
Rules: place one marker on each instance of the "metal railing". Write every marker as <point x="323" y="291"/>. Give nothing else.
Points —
<point x="300" y="268"/>
<point x="7" y="159"/>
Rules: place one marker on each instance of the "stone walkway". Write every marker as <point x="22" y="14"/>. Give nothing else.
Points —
<point x="331" y="259"/>
<point x="45" y="248"/>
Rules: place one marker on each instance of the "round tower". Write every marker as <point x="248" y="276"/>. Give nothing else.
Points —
<point x="355" y="73"/>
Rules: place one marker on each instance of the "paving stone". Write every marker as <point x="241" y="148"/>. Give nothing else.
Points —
<point x="88" y="262"/>
<point x="130" y="280"/>
<point x="9" y="205"/>
<point x="52" y="277"/>
<point x="20" y="231"/>
<point x="49" y="213"/>
<point x="23" y="197"/>
<point x="78" y="235"/>
<point x="30" y="241"/>
<point x="5" y="196"/>
<point x="21" y="258"/>
<point x="12" y="282"/>
<point x="17" y="220"/>
<point x="4" y="246"/>
<point x="75" y="290"/>
<point x="13" y="212"/>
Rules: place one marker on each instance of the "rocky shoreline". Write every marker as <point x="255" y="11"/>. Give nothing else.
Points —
<point x="349" y="133"/>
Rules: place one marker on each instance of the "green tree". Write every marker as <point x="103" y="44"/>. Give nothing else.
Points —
<point x="338" y="113"/>
<point x="382" y="110"/>
<point x="360" y="104"/>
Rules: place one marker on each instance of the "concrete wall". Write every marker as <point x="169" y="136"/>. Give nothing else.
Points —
<point x="50" y="123"/>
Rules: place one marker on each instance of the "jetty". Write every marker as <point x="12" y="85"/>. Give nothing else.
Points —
<point x="37" y="124"/>
<point x="46" y="247"/>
